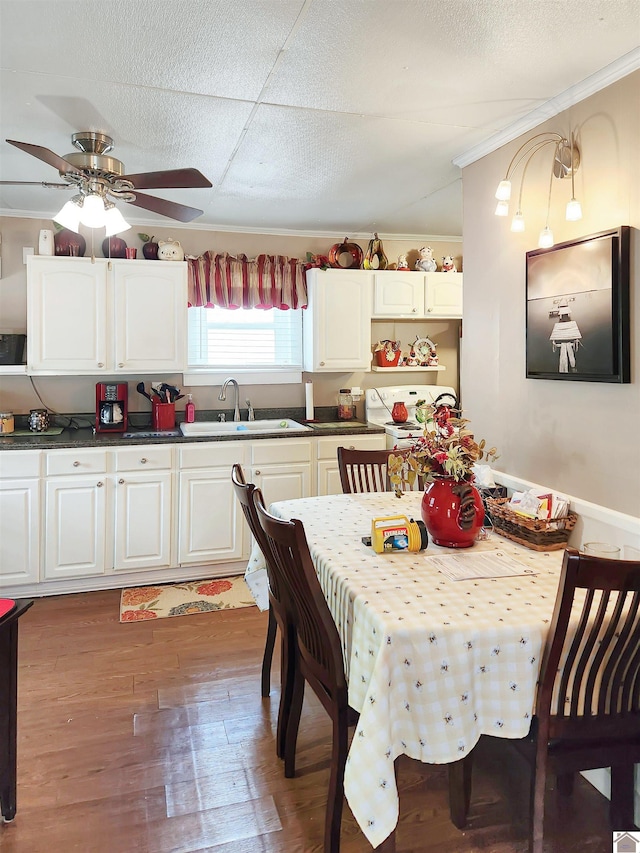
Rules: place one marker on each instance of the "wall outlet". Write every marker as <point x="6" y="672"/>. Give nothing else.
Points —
<point x="26" y="251"/>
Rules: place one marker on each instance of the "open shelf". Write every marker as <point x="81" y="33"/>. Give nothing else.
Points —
<point x="378" y="369"/>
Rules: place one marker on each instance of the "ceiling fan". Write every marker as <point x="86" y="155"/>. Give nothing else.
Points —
<point x="95" y="174"/>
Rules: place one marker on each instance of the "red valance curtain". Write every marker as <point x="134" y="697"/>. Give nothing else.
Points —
<point x="224" y="281"/>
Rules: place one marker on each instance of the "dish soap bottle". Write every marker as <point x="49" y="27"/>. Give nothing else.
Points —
<point x="190" y="410"/>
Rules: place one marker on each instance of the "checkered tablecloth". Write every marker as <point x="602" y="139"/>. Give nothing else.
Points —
<point x="432" y="663"/>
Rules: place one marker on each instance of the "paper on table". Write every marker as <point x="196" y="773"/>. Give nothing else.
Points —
<point x="492" y="564"/>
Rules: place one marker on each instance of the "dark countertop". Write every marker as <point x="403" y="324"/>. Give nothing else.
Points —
<point x="84" y="437"/>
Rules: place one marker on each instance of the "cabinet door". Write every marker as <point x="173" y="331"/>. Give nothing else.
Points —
<point x="283" y="482"/>
<point x="398" y="294"/>
<point x="75" y="522"/>
<point x="150" y="316"/>
<point x="210" y="518"/>
<point x="444" y="294"/>
<point x="67" y="318"/>
<point x="328" y="475"/>
<point x="142" y="520"/>
<point x="19" y="533"/>
<point x="337" y="321"/>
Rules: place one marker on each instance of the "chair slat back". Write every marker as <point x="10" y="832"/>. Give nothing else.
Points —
<point x="367" y="471"/>
<point x="317" y="633"/>
<point x="244" y="492"/>
<point x="591" y="676"/>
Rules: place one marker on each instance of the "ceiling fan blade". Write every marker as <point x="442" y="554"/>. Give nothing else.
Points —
<point x="46" y="156"/>
<point x="36" y="184"/>
<point x="169" y="179"/>
<point x="166" y="208"/>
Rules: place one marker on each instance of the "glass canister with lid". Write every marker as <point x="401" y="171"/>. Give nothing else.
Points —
<point x="346" y="408"/>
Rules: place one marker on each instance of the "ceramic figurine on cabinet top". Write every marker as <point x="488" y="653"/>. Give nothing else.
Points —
<point x="170" y="250"/>
<point x="426" y="262"/>
<point x="448" y="264"/>
<point x="402" y="263"/>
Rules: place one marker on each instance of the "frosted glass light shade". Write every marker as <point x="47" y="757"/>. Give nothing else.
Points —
<point x="114" y="222"/>
<point x="92" y="212"/>
<point x="574" y="210"/>
<point x="502" y="208"/>
<point x="69" y="216"/>
<point x="503" y="193"/>
<point x="517" y="223"/>
<point x="545" y="241"/>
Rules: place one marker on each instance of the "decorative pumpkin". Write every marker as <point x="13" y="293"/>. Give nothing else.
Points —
<point x="375" y="259"/>
<point x="346" y="255"/>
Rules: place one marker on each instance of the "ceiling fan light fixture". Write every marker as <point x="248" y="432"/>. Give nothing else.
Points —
<point x="92" y="213"/>
<point x="114" y="222"/>
<point x="69" y="216"/>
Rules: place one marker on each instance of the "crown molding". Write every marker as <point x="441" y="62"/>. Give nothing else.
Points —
<point x="273" y="232"/>
<point x="608" y="75"/>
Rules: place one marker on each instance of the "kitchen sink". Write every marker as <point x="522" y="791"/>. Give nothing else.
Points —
<point x="242" y="427"/>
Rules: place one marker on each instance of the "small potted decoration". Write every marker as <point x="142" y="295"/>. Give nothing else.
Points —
<point x="387" y="353"/>
<point x="444" y="454"/>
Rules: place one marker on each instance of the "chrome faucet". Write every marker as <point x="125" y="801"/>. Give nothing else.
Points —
<point x="250" y="413"/>
<point x="222" y="396"/>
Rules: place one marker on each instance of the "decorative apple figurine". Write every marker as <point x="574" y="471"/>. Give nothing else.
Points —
<point x="67" y="242"/>
<point x="150" y="248"/>
<point x="114" y="247"/>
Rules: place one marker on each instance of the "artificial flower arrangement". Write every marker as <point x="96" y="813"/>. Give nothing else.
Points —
<point x="446" y="448"/>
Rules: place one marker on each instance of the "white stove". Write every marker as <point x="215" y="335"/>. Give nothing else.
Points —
<point x="379" y="403"/>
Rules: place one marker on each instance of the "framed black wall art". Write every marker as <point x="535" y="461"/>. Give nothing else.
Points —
<point x="578" y="309"/>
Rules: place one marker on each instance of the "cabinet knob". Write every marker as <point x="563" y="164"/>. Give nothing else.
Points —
<point x="415" y="310"/>
<point x="100" y="484"/>
<point x="121" y="481"/>
<point x="352" y="447"/>
<point x="121" y="364"/>
<point x="258" y="473"/>
<point x="429" y="310"/>
<point x="100" y="364"/>
<point x="322" y="364"/>
<point x="143" y="461"/>
<point x="76" y="464"/>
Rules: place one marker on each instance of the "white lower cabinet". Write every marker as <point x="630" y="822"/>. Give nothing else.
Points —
<point x="75" y="526"/>
<point x="282" y="469"/>
<point x="19" y="518"/>
<point x="328" y="474"/>
<point x="143" y="508"/>
<point x="210" y="521"/>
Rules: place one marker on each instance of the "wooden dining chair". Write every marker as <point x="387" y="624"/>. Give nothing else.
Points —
<point x="366" y="470"/>
<point x="319" y="657"/>
<point x="278" y="612"/>
<point x="587" y="712"/>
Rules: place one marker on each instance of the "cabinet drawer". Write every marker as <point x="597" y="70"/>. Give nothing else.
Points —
<point x="328" y="447"/>
<point x="147" y="458"/>
<point x="280" y="450"/>
<point x="81" y="461"/>
<point x="20" y="463"/>
<point x="212" y="455"/>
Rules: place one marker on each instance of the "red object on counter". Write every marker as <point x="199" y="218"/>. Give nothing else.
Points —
<point x="399" y="413"/>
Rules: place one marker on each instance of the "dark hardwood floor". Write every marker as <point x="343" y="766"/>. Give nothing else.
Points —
<point x="153" y="737"/>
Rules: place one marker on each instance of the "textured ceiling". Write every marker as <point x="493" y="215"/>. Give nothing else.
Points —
<point x="337" y="116"/>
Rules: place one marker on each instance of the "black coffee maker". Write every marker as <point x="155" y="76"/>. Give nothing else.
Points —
<point x="111" y="407"/>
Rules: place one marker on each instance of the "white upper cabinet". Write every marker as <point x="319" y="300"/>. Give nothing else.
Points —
<point x="417" y="295"/>
<point x="443" y="294"/>
<point x="398" y="294"/>
<point x="105" y="316"/>
<point x="337" y="321"/>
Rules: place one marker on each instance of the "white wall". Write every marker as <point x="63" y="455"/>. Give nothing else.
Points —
<point x="577" y="437"/>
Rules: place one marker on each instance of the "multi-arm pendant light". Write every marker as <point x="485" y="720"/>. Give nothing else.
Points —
<point x="566" y="160"/>
<point x="94" y="210"/>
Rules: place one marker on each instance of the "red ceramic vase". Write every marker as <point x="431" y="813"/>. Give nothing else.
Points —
<point x="399" y="413"/>
<point x="453" y="512"/>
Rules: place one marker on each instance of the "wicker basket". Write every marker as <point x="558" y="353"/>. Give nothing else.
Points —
<point x="535" y="533"/>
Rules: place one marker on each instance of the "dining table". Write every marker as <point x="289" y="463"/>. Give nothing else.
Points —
<point x="440" y="646"/>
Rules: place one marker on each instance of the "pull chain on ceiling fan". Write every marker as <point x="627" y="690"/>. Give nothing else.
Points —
<point x="101" y="181"/>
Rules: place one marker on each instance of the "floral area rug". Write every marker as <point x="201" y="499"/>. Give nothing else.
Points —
<point x="181" y="599"/>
